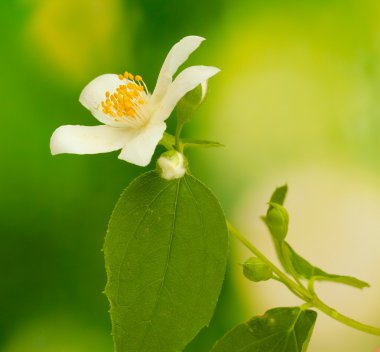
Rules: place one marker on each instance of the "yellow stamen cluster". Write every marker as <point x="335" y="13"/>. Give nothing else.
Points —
<point x="127" y="97"/>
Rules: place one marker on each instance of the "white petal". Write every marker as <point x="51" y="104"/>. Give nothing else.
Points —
<point x="187" y="80"/>
<point x="177" y="55"/>
<point x="94" y="93"/>
<point x="140" y="149"/>
<point x="88" y="139"/>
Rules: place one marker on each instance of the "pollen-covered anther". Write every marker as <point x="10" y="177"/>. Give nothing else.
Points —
<point x="125" y="101"/>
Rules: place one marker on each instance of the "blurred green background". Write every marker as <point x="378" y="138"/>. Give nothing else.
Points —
<point x="297" y="100"/>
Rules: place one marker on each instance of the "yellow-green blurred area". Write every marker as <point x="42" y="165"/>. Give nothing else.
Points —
<point x="297" y="101"/>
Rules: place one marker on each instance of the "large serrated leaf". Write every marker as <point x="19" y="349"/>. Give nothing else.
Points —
<point x="165" y="253"/>
<point x="278" y="330"/>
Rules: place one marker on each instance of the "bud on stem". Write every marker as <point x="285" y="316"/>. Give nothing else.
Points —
<point x="255" y="269"/>
<point x="171" y="165"/>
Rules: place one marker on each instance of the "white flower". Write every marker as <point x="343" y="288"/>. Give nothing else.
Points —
<point x="171" y="165"/>
<point x="133" y="119"/>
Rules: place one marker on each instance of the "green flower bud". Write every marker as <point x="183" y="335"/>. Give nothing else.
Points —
<point x="277" y="220"/>
<point x="255" y="269"/>
<point x="171" y="165"/>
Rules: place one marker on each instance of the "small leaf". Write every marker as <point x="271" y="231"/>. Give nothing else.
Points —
<point x="194" y="143"/>
<point x="278" y="330"/>
<point x="187" y="106"/>
<point x="306" y="270"/>
<point x="279" y="195"/>
<point x="255" y="269"/>
<point x="165" y="254"/>
<point x="277" y="221"/>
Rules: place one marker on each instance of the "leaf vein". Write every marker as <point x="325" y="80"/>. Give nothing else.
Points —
<point x="167" y="261"/>
<point x="134" y="234"/>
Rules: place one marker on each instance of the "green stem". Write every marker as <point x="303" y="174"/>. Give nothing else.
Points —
<point x="344" y="319"/>
<point x="177" y="139"/>
<point x="289" y="287"/>
<point x="331" y="312"/>
<point x="302" y="292"/>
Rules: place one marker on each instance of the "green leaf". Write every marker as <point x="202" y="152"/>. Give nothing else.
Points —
<point x="278" y="330"/>
<point x="277" y="221"/>
<point x="194" y="143"/>
<point x="165" y="253"/>
<point x="187" y="106"/>
<point x="306" y="270"/>
<point x="279" y="195"/>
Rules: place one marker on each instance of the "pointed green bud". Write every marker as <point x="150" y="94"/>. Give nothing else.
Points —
<point x="255" y="269"/>
<point x="171" y="165"/>
<point x="277" y="220"/>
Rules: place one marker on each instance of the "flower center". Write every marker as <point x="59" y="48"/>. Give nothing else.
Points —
<point x="127" y="100"/>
